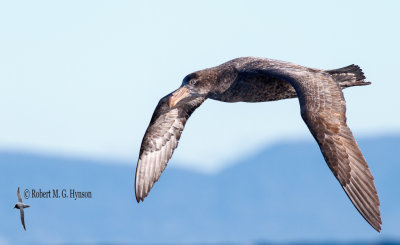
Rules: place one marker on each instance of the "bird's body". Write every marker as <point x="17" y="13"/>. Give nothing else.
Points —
<point x="251" y="79"/>
<point x="259" y="89"/>
<point x="20" y="205"/>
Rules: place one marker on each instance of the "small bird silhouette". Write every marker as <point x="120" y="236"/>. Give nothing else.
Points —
<point x="21" y="207"/>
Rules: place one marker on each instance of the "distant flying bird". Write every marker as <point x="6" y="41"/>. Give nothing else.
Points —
<point x="21" y="207"/>
<point x="251" y="79"/>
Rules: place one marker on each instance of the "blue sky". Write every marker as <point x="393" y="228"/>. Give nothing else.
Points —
<point x="83" y="77"/>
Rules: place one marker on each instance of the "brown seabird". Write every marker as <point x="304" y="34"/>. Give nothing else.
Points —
<point x="252" y="79"/>
<point x="20" y="205"/>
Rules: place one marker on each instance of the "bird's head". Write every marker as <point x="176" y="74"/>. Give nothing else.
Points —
<point x="15" y="206"/>
<point x="193" y="85"/>
<point x="205" y="83"/>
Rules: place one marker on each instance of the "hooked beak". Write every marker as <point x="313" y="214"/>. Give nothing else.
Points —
<point x="177" y="96"/>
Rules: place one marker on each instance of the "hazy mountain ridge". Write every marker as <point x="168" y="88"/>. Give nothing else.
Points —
<point x="283" y="193"/>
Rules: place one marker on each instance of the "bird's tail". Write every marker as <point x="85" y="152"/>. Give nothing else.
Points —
<point x="349" y="76"/>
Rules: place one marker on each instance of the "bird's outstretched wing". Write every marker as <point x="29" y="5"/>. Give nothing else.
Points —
<point x="323" y="108"/>
<point x="21" y="210"/>
<point x="159" y="142"/>
<point x="19" y="195"/>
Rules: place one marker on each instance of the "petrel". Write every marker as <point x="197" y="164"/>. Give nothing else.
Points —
<point x="252" y="79"/>
<point x="21" y="207"/>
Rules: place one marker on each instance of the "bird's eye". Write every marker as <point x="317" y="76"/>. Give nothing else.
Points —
<point x="192" y="82"/>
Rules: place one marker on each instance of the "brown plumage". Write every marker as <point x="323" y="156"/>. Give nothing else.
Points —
<point x="251" y="79"/>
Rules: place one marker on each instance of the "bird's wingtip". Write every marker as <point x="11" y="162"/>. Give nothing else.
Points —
<point x="379" y="228"/>
<point x="139" y="198"/>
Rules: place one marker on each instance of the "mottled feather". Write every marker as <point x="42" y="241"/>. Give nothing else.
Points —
<point x="159" y="142"/>
<point x="323" y="108"/>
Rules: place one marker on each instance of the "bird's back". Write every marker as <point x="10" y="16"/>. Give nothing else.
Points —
<point x="250" y="86"/>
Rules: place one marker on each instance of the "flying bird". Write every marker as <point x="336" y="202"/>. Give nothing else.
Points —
<point x="21" y="207"/>
<point x="252" y="79"/>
